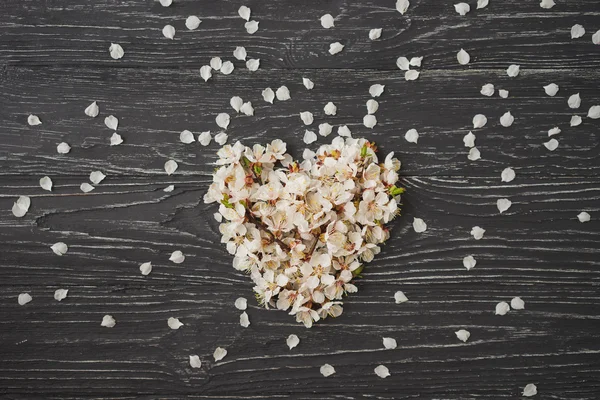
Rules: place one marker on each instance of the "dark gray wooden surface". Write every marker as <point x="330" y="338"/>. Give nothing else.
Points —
<point x="54" y="62"/>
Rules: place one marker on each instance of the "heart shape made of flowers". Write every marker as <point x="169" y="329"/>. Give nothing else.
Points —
<point x="303" y="230"/>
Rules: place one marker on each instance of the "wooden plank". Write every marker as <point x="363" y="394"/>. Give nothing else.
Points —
<point x="154" y="106"/>
<point x="76" y="32"/>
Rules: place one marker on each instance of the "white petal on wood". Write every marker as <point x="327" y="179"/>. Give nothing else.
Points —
<point x="402" y="6"/>
<point x="551" y="89"/>
<point x="596" y="37"/>
<point x="171" y="166"/>
<point x="594" y="112"/>
<point x="21" y="206"/>
<point x="146" y="268"/>
<point x="268" y="95"/>
<point x="108" y="321"/>
<point x="517" y="303"/>
<point x="244" y="12"/>
<point x="192" y="22"/>
<point x="33" y="120"/>
<point x="308" y="84"/>
<point x="63" y="148"/>
<point x="376" y="90"/>
<point x="168" y="31"/>
<point x="46" y="183"/>
<point x="59" y="248"/>
<point x="389" y="343"/>
<point x="327" y="21"/>
<point x="416" y="61"/>
<point x="219" y="353"/>
<point x="92" y="110"/>
<point x="283" y="93"/>
<point x="195" y="362"/>
<point x="503" y="93"/>
<point x="174" y="323"/>
<point x="186" y="137"/>
<point x="382" y="371"/>
<point x="306" y="117"/>
<point x="372" y="106"/>
<point x="344" y="131"/>
<point x="403" y="63"/>
<point x="463" y="57"/>
<point x="240" y="53"/>
<point x="479" y="121"/>
<point x="482" y="3"/>
<point x="477" y="232"/>
<point x="86" y="187"/>
<point x="551" y="144"/>
<point x="469" y="262"/>
<point x="503" y="205"/>
<point x="241" y="303"/>
<point x="204" y="138"/>
<point x="507" y="119"/>
<point x="502" y="308"/>
<point x="411" y="136"/>
<point x="369" y="121"/>
<point x="227" y="68"/>
<point x="247" y="109"/>
<point x="325" y="129"/>
<point x="487" y="89"/>
<point x="469" y="139"/>
<point x="583" y="216"/>
<point x="292" y="341"/>
<point x="177" y="257"/>
<point x="462" y="8"/>
<point x="111" y="122"/>
<point x="375" y="34"/>
<point x="513" y="70"/>
<point x="169" y="188"/>
<point x="508" y="175"/>
<point x="463" y="335"/>
<point x="309" y="137"/>
<point x="165" y="3"/>
<point x="24" y="298"/>
<point x="244" y="320"/>
<point x="547" y="4"/>
<point x="554" y="131"/>
<point x="221" y="138"/>
<point x="400" y="297"/>
<point x="216" y="63"/>
<point x="411" y="75"/>
<point x="575" y="120"/>
<point x="577" y="31"/>
<point x="60" y="294"/>
<point x="116" y="51"/>
<point x="419" y="225"/>
<point x="327" y="370"/>
<point x="330" y="109"/>
<point x="335" y="48"/>
<point x="206" y="72"/>
<point x="251" y="27"/>
<point x="222" y="120"/>
<point x="474" y="154"/>
<point x="530" y="390"/>
<point x="116" y="139"/>
<point x="574" y="101"/>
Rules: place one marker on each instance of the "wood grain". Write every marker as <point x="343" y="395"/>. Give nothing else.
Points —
<point x="76" y="32"/>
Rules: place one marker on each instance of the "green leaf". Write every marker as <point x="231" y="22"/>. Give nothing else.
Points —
<point x="395" y="191"/>
<point x="358" y="270"/>
<point x="364" y="150"/>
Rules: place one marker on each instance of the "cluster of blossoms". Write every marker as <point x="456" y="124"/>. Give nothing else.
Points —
<point x="303" y="229"/>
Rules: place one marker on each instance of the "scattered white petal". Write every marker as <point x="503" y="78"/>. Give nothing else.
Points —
<point x="21" y="206"/>
<point x="327" y="21"/>
<point x="513" y="70"/>
<point x="251" y="27"/>
<point x="574" y="100"/>
<point x="116" y="51"/>
<point x="583" y="216"/>
<point x="403" y="63"/>
<point x="177" y="257"/>
<point x="241" y="303"/>
<point x="411" y="136"/>
<point x="577" y="31"/>
<point x="306" y="117"/>
<point x="186" y="137"/>
<point x="205" y="138"/>
<point x="309" y="137"/>
<point x="369" y="121"/>
<point x="463" y="335"/>
<point x="283" y="93"/>
<point x="60" y="294"/>
<point x="244" y="320"/>
<point x="477" y="232"/>
<point x="479" y="121"/>
<point x="474" y="154"/>
<point x="551" y="145"/>
<point x="192" y="22"/>
<point x="547" y="4"/>
<point x="174" y="323"/>
<point x="111" y="122"/>
<point x="596" y="37"/>
<point x="33" y="120"/>
<point x="389" y="343"/>
<point x="216" y="63"/>
<point x="206" y="72"/>
<point x="219" y="353"/>
<point x="327" y="370"/>
<point x="469" y="262"/>
<point x="575" y="120"/>
<point x="165" y="3"/>
<point x="344" y="131"/>
<point x="195" y="362"/>
<point x="335" y="48"/>
<point x="503" y="205"/>
<point x="218" y="217"/>
<point x="419" y="225"/>
<point x="594" y="112"/>
<point x="399" y="297"/>
<point x="108" y="321"/>
<point x="469" y="139"/>
<point x="92" y="110"/>
<point x="86" y="187"/>
<point x="308" y="84"/>
<point x="330" y="109"/>
<point x="325" y="129"/>
<point x="411" y="75"/>
<point x="554" y="131"/>
<point x="482" y="3"/>
<point x="463" y="57"/>
<point x="372" y="106"/>
<point x="168" y="31"/>
<point x="416" y="61"/>
<point x="222" y="120"/>
<point x="244" y="12"/>
<point x="517" y="303"/>
<point x="221" y="138"/>
<point x="292" y="341"/>
<point x="63" y="148"/>
<point x="376" y="90"/>
<point x="115" y="139"/>
<point x="24" y="298"/>
<point x="46" y="183"/>
<point x="169" y="188"/>
<point x="227" y="68"/>
<point x="551" y="89"/>
<point x="502" y="308"/>
<point x="146" y="268"/>
<point x="402" y="6"/>
<point x="507" y="119"/>
<point x="530" y="390"/>
<point x="487" y="89"/>
<point x="236" y="103"/>
<point x="240" y="53"/>
<point x="508" y="175"/>
<point x="462" y="8"/>
<point x="503" y="93"/>
<point x="247" y="109"/>
<point x="171" y="166"/>
<point x="268" y="95"/>
<point x="382" y="371"/>
<point x="375" y="34"/>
